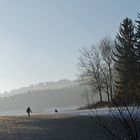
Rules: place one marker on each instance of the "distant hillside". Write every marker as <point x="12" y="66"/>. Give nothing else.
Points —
<point x="43" y="99"/>
<point x="42" y="96"/>
<point x="42" y="86"/>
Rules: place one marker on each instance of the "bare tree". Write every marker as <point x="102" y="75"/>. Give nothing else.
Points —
<point x="122" y="122"/>
<point x="86" y="96"/>
<point x="96" y="67"/>
<point x="90" y="67"/>
<point x="106" y="49"/>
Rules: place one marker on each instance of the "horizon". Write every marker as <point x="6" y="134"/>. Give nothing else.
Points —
<point x="40" y="40"/>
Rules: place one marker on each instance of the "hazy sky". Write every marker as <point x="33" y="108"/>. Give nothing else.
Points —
<point x="40" y="39"/>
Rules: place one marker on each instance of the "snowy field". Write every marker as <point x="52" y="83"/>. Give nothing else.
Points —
<point x="74" y="111"/>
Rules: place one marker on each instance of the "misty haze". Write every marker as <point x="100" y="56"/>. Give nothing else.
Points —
<point x="69" y="70"/>
<point x="43" y="96"/>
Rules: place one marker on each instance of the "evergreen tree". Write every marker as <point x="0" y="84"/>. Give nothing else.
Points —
<point x="137" y="46"/>
<point x="124" y="57"/>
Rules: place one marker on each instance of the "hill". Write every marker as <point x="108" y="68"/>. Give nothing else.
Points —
<point x="41" y="99"/>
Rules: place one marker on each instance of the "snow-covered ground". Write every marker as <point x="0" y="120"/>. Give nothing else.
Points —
<point x="74" y="111"/>
<point x="115" y="112"/>
<point x="87" y="112"/>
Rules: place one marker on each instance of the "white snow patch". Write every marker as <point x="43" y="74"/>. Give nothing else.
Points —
<point x="111" y="112"/>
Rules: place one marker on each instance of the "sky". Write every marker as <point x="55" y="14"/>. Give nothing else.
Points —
<point x="40" y="39"/>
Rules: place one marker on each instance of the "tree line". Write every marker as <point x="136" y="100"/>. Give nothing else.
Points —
<point x="112" y="67"/>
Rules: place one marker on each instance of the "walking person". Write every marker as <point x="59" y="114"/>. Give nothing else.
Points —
<point x="28" y="110"/>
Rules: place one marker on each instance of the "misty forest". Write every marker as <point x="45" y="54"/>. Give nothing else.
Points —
<point x="102" y="103"/>
<point x="112" y="68"/>
<point x="108" y="72"/>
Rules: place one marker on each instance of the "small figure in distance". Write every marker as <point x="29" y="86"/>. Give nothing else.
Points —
<point x="56" y="111"/>
<point x="28" y="110"/>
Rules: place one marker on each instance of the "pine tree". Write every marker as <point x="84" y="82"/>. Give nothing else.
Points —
<point x="137" y="47"/>
<point x="124" y="57"/>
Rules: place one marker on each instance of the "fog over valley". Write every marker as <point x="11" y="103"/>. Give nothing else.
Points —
<point x="42" y="96"/>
